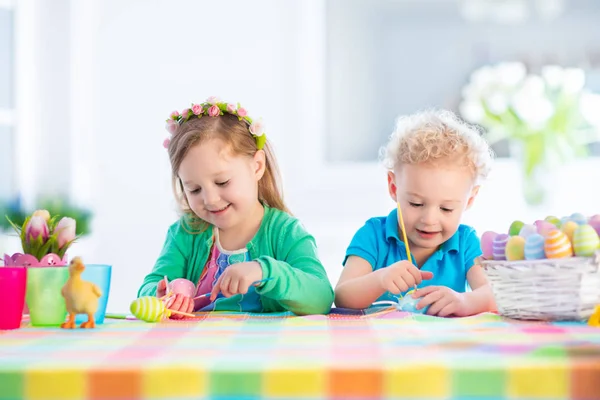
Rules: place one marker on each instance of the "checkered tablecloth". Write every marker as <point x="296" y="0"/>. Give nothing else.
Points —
<point x="383" y="355"/>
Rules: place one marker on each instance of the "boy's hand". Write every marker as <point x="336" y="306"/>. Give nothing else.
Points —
<point x="180" y="302"/>
<point x="402" y="276"/>
<point x="443" y="301"/>
<point x="236" y="279"/>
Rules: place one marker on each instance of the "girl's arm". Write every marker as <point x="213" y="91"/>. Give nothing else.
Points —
<point x="481" y="298"/>
<point x="171" y="262"/>
<point x="358" y="286"/>
<point x="300" y="284"/>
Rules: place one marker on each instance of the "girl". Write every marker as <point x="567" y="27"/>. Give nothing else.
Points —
<point x="236" y="239"/>
<point x="435" y="165"/>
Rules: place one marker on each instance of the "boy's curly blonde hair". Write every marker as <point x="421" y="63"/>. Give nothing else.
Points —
<point x="437" y="137"/>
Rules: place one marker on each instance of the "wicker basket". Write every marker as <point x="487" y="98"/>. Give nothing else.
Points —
<point x="549" y="289"/>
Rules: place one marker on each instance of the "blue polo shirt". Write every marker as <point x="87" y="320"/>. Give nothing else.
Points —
<point x="379" y="243"/>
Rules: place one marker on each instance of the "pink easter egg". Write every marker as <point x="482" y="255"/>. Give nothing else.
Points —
<point x="487" y="244"/>
<point x="594" y="218"/>
<point x="182" y="286"/>
<point x="596" y="225"/>
<point x="543" y="227"/>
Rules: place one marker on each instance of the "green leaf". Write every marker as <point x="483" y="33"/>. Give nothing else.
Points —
<point x="260" y="141"/>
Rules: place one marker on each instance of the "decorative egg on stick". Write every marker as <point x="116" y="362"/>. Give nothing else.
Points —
<point x="152" y="309"/>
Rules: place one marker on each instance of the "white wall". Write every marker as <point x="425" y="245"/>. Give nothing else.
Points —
<point x="132" y="62"/>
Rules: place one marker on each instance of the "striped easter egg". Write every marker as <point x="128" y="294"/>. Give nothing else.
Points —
<point x="534" y="247"/>
<point x="568" y="229"/>
<point x="148" y="308"/>
<point x="499" y="246"/>
<point x="585" y="241"/>
<point x="557" y="245"/>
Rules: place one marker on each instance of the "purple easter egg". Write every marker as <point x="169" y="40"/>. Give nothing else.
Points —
<point x="499" y="246"/>
<point x="594" y="218"/>
<point x="487" y="241"/>
<point x="595" y="223"/>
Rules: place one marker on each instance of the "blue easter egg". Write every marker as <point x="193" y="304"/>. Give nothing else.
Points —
<point x="408" y="304"/>
<point x="578" y="218"/>
<point x="499" y="246"/>
<point x="534" y="247"/>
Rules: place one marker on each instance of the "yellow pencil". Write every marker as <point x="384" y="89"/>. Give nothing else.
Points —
<point x="404" y="233"/>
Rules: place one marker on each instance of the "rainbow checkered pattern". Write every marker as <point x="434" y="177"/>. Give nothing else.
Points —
<point x="383" y="355"/>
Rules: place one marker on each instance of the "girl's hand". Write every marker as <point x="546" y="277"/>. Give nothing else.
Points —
<point x="180" y="302"/>
<point x="236" y="279"/>
<point x="161" y="288"/>
<point x="401" y="276"/>
<point x="443" y="300"/>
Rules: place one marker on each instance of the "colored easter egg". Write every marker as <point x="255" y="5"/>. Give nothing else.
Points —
<point x="515" y="248"/>
<point x="487" y="241"/>
<point x="408" y="304"/>
<point x="594" y="218"/>
<point x="182" y="286"/>
<point x="515" y="228"/>
<point x="534" y="247"/>
<point x="557" y="245"/>
<point x="569" y="228"/>
<point x="527" y="230"/>
<point x="579" y="218"/>
<point x="585" y="241"/>
<point x="149" y="309"/>
<point x="543" y="227"/>
<point x="596" y="225"/>
<point x="564" y="220"/>
<point x="499" y="246"/>
<point x="553" y="220"/>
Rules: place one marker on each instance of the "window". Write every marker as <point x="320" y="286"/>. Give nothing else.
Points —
<point x="7" y="159"/>
<point x="390" y="57"/>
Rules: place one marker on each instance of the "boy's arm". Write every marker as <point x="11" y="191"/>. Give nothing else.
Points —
<point x="481" y="298"/>
<point x="359" y="286"/>
<point x="299" y="283"/>
<point x="170" y="263"/>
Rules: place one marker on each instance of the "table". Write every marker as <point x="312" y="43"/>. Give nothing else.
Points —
<point x="380" y="354"/>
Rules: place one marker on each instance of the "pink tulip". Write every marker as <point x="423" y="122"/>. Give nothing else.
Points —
<point x="65" y="231"/>
<point x="36" y="227"/>
<point x="42" y="213"/>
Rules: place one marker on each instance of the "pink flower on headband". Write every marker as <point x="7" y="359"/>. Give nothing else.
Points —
<point x="172" y="126"/>
<point x="257" y="128"/>
<point x="184" y="113"/>
<point x="231" y="108"/>
<point x="214" y="111"/>
<point x="174" y="114"/>
<point x="212" y="100"/>
<point x="197" y="109"/>
<point x="166" y="143"/>
<point x="241" y="112"/>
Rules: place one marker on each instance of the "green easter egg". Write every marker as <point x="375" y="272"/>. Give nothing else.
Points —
<point x="585" y="241"/>
<point x="553" y="220"/>
<point x="515" y="228"/>
<point x="148" y="308"/>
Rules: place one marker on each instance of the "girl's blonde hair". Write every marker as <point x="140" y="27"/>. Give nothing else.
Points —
<point x="234" y="133"/>
<point x="438" y="137"/>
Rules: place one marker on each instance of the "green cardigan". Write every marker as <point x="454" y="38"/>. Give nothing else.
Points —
<point x="282" y="247"/>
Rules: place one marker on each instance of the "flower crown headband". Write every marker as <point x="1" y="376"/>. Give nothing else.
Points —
<point x="214" y="107"/>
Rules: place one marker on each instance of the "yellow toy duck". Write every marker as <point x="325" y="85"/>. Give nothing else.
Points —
<point x="81" y="297"/>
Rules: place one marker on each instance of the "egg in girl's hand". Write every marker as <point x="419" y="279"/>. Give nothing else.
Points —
<point x="534" y="247"/>
<point x="499" y="246"/>
<point x="487" y="244"/>
<point x="515" y="228"/>
<point x="568" y="229"/>
<point x="557" y="245"/>
<point x="585" y="241"/>
<point x="515" y="248"/>
<point x="553" y="220"/>
<point x="578" y="218"/>
<point x="543" y="227"/>
<point x="527" y="230"/>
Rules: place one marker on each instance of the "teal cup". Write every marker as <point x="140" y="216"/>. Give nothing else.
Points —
<point x="98" y="274"/>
